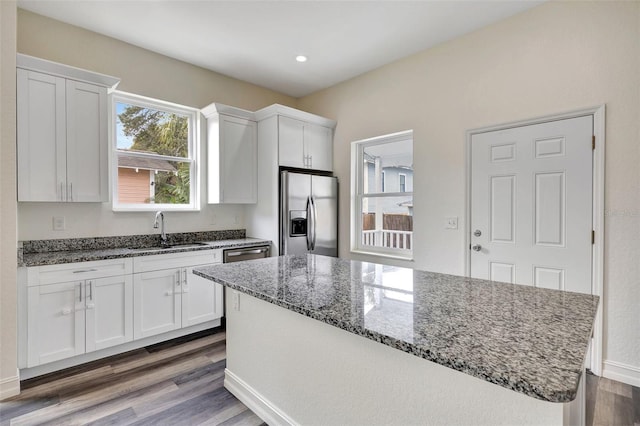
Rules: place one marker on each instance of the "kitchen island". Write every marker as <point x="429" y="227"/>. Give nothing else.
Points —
<point x="320" y="340"/>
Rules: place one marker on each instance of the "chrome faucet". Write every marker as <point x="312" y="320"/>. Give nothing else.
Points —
<point x="163" y="236"/>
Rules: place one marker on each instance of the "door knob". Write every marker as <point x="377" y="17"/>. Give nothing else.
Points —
<point x="476" y="247"/>
<point x="477" y="233"/>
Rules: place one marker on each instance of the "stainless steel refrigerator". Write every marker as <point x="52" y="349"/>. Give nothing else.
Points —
<point x="308" y="214"/>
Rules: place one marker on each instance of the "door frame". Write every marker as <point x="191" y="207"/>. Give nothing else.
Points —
<point x="597" y="254"/>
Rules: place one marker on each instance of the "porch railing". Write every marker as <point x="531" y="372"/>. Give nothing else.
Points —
<point x="387" y="238"/>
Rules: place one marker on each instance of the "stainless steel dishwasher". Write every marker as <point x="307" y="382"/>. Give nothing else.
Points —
<point x="246" y="253"/>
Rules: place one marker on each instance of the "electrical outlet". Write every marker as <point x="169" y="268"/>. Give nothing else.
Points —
<point x="451" y="222"/>
<point x="58" y="223"/>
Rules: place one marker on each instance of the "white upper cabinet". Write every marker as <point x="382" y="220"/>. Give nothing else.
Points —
<point x="304" y="145"/>
<point x="42" y="149"/>
<point x="291" y="142"/>
<point x="87" y="144"/>
<point x="305" y="141"/>
<point x="318" y="145"/>
<point x="232" y="147"/>
<point x="62" y="132"/>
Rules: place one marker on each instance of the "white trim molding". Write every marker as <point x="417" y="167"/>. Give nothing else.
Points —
<point x="262" y="407"/>
<point x="620" y="372"/>
<point x="61" y="70"/>
<point x="597" y="275"/>
<point x="10" y="386"/>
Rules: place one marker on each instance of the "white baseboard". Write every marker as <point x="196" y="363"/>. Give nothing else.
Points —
<point x="622" y="373"/>
<point x="9" y="386"/>
<point x="254" y="401"/>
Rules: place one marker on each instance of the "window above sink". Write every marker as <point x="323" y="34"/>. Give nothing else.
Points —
<point x="155" y="146"/>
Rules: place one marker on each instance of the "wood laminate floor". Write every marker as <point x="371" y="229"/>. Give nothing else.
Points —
<point x="180" y="382"/>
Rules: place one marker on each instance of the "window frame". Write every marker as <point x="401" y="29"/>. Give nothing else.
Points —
<point x="402" y="186"/>
<point x="193" y="147"/>
<point x="358" y="195"/>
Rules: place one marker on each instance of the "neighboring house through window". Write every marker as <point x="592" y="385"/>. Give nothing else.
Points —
<point x="382" y="189"/>
<point x="155" y="146"/>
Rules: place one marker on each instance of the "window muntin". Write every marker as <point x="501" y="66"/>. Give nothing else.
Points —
<point x="155" y="151"/>
<point x="382" y="185"/>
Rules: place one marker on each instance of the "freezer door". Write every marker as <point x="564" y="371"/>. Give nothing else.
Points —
<point x="324" y="221"/>
<point x="295" y="206"/>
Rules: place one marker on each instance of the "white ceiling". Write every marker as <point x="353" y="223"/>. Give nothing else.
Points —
<point x="257" y="41"/>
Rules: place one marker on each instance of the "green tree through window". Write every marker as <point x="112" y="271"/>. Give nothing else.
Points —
<point x="159" y="133"/>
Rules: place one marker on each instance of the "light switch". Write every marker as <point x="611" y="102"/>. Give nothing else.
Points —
<point x="451" y="222"/>
<point x="58" y="223"/>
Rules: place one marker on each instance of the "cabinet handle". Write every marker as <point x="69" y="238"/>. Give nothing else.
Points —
<point x="66" y="311"/>
<point x="61" y="193"/>
<point x="178" y="277"/>
<point x="80" y="299"/>
<point x="85" y="270"/>
<point x="310" y="163"/>
<point x="91" y="290"/>
<point x="71" y="184"/>
<point x="184" y="276"/>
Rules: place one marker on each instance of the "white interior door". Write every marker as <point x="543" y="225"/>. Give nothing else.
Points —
<point x="531" y="205"/>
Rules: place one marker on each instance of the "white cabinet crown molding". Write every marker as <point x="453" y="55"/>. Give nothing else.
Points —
<point x="61" y="70"/>
<point x="277" y="109"/>
<point x="215" y="108"/>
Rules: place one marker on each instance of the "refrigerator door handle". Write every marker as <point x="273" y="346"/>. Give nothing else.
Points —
<point x="309" y="225"/>
<point x="315" y="220"/>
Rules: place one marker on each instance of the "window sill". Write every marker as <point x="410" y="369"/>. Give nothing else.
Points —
<point x="395" y="256"/>
<point x="154" y="208"/>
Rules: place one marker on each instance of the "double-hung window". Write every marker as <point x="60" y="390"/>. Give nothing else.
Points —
<point x="382" y="189"/>
<point x="155" y="145"/>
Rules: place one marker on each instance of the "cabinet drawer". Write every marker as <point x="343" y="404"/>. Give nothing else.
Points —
<point x="50" y="274"/>
<point x="176" y="260"/>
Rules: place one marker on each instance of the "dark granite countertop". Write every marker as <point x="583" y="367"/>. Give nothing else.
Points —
<point x="531" y="340"/>
<point x="53" y="252"/>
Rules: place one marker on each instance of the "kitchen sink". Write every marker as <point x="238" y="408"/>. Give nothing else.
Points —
<point x="170" y="246"/>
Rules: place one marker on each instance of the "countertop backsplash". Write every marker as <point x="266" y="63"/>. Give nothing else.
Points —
<point x="123" y="241"/>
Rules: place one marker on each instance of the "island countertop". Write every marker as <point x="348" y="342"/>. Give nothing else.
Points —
<point x="531" y="340"/>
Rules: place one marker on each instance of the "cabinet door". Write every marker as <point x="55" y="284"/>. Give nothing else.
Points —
<point x="41" y="137"/>
<point x="55" y="322"/>
<point x="291" y="142"/>
<point x="109" y="314"/>
<point x="87" y="145"/>
<point x="238" y="164"/>
<point x="201" y="299"/>
<point x="156" y="298"/>
<point x="318" y="144"/>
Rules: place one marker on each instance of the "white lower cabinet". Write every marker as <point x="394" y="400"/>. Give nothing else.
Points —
<point x="109" y="314"/>
<point x="56" y="323"/>
<point x="158" y="305"/>
<point x="201" y="299"/>
<point x="173" y="298"/>
<point x="78" y="308"/>
<point x="73" y="317"/>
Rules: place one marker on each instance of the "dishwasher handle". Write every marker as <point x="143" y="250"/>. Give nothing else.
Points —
<point x="243" y="253"/>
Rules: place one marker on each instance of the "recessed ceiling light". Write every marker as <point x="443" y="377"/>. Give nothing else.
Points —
<point x="301" y="58"/>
